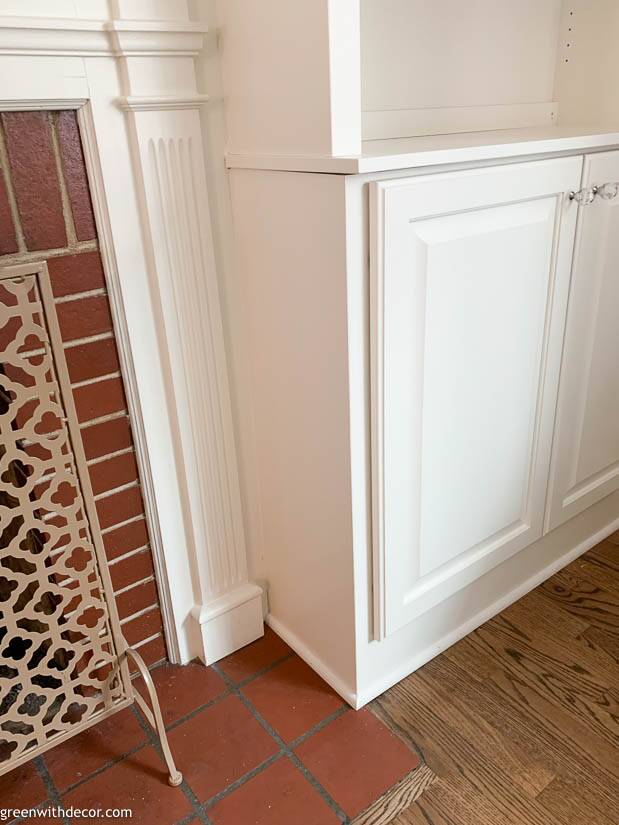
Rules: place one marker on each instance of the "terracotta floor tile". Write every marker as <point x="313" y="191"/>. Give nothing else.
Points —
<point x="183" y="688"/>
<point x="218" y="746"/>
<point x="292" y="698"/>
<point x="85" y="753"/>
<point x="254" y="657"/>
<point x="356" y="759"/>
<point x="22" y="787"/>
<point x="139" y="782"/>
<point x="279" y="795"/>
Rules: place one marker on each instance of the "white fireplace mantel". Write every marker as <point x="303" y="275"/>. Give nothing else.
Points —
<point x="132" y="80"/>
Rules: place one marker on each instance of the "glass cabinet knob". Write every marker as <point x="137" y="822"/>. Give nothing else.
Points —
<point x="583" y="196"/>
<point x="608" y="191"/>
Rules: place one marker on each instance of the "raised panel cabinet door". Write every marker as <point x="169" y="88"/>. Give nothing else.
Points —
<point x="585" y="462"/>
<point x="469" y="281"/>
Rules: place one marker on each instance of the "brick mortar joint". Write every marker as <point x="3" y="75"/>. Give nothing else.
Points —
<point x="45" y="254"/>
<point x="5" y="169"/>
<point x="67" y="212"/>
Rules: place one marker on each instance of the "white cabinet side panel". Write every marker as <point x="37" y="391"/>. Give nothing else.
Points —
<point x="290" y="239"/>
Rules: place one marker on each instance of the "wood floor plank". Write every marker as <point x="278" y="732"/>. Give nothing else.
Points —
<point x="397" y="799"/>
<point x="520" y="719"/>
<point x="555" y="724"/>
<point x="584" y="599"/>
<point x="572" y="803"/>
<point x="599" y="640"/>
<point x="446" y="736"/>
<point x="504" y="739"/>
<point x="536" y="612"/>
<point x="456" y="802"/>
<point x="606" y="552"/>
<point x="568" y="686"/>
<point x="424" y="812"/>
<point x="543" y="631"/>
<point x="566" y="746"/>
<point x="597" y="570"/>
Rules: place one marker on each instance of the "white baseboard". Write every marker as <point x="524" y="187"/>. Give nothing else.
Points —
<point x="414" y="662"/>
<point x="314" y="661"/>
<point x="406" y="665"/>
<point x="228" y="622"/>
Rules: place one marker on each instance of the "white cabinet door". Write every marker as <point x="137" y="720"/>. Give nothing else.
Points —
<point x="585" y="465"/>
<point x="469" y="281"/>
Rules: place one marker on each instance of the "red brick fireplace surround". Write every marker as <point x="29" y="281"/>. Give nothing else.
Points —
<point x="46" y="214"/>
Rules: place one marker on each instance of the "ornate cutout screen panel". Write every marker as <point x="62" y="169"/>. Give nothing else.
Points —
<point x="60" y="641"/>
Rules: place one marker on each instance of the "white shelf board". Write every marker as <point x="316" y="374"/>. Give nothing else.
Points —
<point x="433" y="150"/>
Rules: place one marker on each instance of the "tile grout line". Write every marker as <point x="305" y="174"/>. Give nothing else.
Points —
<point x="153" y="739"/>
<point x="232" y="688"/>
<point x="233" y="786"/>
<point x="318" y="727"/>
<point x="285" y="748"/>
<point x="226" y="692"/>
<point x="248" y="679"/>
<point x="50" y="785"/>
<point x="109" y="764"/>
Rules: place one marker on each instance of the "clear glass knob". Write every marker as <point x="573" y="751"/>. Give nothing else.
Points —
<point x="608" y="191"/>
<point x="584" y="196"/>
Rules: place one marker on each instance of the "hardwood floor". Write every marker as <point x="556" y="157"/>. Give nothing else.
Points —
<point x="520" y="720"/>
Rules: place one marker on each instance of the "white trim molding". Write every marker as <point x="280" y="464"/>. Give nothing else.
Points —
<point x="168" y="143"/>
<point x="162" y="102"/>
<point x="88" y="38"/>
<point x="149" y="189"/>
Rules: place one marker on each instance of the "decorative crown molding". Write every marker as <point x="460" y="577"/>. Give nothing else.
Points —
<point x="157" y="103"/>
<point x="46" y="104"/>
<point x="92" y="38"/>
<point x="153" y="37"/>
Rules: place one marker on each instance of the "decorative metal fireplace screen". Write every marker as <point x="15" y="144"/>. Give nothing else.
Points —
<point x="60" y="639"/>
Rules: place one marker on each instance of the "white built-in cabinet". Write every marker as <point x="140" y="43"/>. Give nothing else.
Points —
<point x="469" y="282"/>
<point x="426" y="220"/>
<point x="586" y="445"/>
